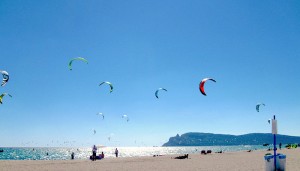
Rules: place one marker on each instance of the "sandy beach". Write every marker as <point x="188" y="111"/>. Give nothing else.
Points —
<point x="234" y="161"/>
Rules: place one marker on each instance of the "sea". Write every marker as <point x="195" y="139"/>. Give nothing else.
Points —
<point x="83" y="153"/>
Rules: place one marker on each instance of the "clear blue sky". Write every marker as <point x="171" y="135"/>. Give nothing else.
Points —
<point x="251" y="48"/>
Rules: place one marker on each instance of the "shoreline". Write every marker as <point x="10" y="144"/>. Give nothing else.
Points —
<point x="240" y="160"/>
<point x="52" y="153"/>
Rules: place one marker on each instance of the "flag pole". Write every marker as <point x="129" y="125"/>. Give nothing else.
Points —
<point x="274" y="146"/>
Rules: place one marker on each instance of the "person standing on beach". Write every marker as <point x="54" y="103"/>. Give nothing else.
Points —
<point x="116" y="152"/>
<point x="94" y="153"/>
<point x="72" y="156"/>
<point x="280" y="146"/>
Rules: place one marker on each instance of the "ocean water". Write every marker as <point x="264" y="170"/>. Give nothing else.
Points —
<point x="61" y="153"/>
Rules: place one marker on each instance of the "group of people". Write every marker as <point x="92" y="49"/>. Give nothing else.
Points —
<point x="101" y="156"/>
<point x="94" y="156"/>
<point x="280" y="145"/>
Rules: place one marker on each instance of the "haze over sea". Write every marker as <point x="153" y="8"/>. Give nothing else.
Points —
<point x="64" y="153"/>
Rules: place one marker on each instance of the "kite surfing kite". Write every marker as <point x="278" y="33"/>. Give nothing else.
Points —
<point x="101" y="114"/>
<point x="269" y="121"/>
<point x="125" y="117"/>
<point x="74" y="59"/>
<point x="258" y="106"/>
<point x="106" y="82"/>
<point x="5" y="77"/>
<point x="156" y="92"/>
<point x="201" y="85"/>
<point x="2" y="95"/>
<point x="110" y="136"/>
<point x="94" y="131"/>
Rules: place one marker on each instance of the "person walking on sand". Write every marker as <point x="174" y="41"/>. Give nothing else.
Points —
<point x="94" y="153"/>
<point x="116" y="152"/>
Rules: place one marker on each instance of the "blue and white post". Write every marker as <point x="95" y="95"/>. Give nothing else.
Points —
<point x="274" y="132"/>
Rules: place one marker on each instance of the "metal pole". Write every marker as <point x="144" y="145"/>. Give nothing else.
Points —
<point x="274" y="149"/>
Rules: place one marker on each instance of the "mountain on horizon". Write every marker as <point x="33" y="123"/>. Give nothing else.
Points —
<point x="209" y="139"/>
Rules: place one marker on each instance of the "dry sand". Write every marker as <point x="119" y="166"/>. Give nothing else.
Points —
<point x="230" y="161"/>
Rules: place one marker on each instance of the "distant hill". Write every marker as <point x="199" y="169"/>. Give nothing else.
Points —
<point x="208" y="139"/>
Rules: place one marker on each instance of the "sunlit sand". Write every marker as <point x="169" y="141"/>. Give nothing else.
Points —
<point x="243" y="161"/>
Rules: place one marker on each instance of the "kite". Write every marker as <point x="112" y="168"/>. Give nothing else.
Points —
<point x="201" y="85"/>
<point x="5" y="77"/>
<point x="156" y="92"/>
<point x="101" y="114"/>
<point x="258" y="106"/>
<point x="2" y="95"/>
<point x="125" y="117"/>
<point x="110" y="136"/>
<point x="79" y="58"/>
<point x="106" y="82"/>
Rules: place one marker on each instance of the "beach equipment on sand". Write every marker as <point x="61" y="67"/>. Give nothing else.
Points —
<point x="280" y="162"/>
<point x="274" y="132"/>
<point x="277" y="161"/>
<point x="289" y="146"/>
<point x="186" y="156"/>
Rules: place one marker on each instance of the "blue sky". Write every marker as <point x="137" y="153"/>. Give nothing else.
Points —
<point x="251" y="48"/>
